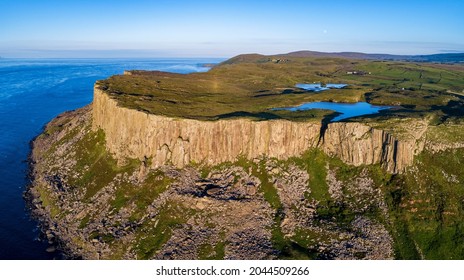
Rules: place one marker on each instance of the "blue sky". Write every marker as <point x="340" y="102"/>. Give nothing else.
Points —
<point x="97" y="28"/>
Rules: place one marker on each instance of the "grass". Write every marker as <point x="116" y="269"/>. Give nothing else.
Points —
<point x="308" y="238"/>
<point x="152" y="235"/>
<point x="142" y="195"/>
<point x="427" y="207"/>
<point x="315" y="162"/>
<point x="250" y="85"/>
<point x="212" y="251"/>
<point x="95" y="168"/>
<point x="424" y="206"/>
<point x="49" y="202"/>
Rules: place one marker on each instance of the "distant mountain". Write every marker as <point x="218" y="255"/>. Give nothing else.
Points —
<point x="440" y="58"/>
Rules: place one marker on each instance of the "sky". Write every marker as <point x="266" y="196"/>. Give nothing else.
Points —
<point x="131" y="28"/>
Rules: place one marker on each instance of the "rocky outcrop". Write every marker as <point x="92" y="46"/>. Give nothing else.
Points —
<point x="135" y="134"/>
<point x="255" y="211"/>
<point x="359" y="144"/>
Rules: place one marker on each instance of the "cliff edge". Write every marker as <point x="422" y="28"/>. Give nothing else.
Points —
<point x="167" y="140"/>
<point x="199" y="166"/>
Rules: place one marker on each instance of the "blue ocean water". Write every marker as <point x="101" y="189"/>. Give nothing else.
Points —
<point x="32" y="92"/>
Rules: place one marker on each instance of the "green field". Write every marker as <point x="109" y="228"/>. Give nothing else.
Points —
<point x="126" y="209"/>
<point x="251" y="85"/>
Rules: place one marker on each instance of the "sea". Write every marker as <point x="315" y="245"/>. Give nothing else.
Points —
<point x="32" y="92"/>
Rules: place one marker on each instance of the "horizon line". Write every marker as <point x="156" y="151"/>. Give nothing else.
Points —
<point x="148" y="56"/>
<point x="121" y="57"/>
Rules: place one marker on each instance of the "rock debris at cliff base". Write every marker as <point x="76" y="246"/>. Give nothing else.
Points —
<point x="171" y="166"/>
<point x="308" y="207"/>
<point x="261" y="209"/>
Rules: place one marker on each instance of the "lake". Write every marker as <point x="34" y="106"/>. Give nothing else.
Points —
<point x="32" y="92"/>
<point x="318" y="87"/>
<point x="347" y="110"/>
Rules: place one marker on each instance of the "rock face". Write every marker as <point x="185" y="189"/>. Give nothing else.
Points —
<point x="359" y="144"/>
<point x="134" y="134"/>
<point x="309" y="207"/>
<point x="261" y="209"/>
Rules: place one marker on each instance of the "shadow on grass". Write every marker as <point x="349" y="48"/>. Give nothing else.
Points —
<point x="241" y="114"/>
<point x="452" y="109"/>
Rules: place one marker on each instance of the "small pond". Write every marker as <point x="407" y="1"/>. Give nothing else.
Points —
<point x="319" y="87"/>
<point x="347" y="110"/>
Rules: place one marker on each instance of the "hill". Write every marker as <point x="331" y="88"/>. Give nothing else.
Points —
<point x="199" y="166"/>
<point x="435" y="58"/>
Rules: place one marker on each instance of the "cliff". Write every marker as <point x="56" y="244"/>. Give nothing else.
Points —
<point x="92" y="208"/>
<point x="302" y="189"/>
<point x="358" y="144"/>
<point x="135" y="134"/>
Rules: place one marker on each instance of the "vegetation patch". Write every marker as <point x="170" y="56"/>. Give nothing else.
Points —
<point x="250" y="86"/>
<point x="95" y="168"/>
<point x="153" y="234"/>
<point x="142" y="194"/>
<point x="427" y="205"/>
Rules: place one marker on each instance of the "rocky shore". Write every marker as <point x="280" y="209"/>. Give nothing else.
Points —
<point x="172" y="166"/>
<point x="257" y="209"/>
